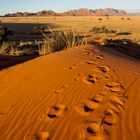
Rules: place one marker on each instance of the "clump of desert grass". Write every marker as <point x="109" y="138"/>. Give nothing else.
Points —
<point x="18" y="49"/>
<point x="50" y="43"/>
<point x="102" y="29"/>
<point x="8" y="49"/>
<point x="59" y="41"/>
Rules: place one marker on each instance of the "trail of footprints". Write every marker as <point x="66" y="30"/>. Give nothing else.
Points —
<point x="112" y="98"/>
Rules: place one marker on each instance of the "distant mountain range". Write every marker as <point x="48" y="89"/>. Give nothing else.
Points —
<point x="76" y="12"/>
<point x="137" y="14"/>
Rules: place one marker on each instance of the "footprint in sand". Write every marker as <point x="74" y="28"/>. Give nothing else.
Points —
<point x="90" y="79"/>
<point x="114" y="109"/>
<point x="56" y="111"/>
<point x="104" y="69"/>
<point x="91" y="62"/>
<point x="115" y="89"/>
<point x="97" y="98"/>
<point x="93" y="128"/>
<point x="99" y="57"/>
<point x="52" y="113"/>
<point x="113" y="84"/>
<point x="74" y="66"/>
<point x="88" y="106"/>
<point x="71" y="67"/>
<point x="109" y="119"/>
<point x="116" y="105"/>
<point x="94" y="131"/>
<point x="117" y="100"/>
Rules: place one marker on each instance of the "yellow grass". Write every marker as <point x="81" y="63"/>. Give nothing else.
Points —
<point x="83" y="24"/>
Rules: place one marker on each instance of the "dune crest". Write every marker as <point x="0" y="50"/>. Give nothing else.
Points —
<point x="71" y="95"/>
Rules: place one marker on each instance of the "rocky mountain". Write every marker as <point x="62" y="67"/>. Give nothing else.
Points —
<point x="77" y="12"/>
<point x="137" y="14"/>
<point x="96" y="12"/>
<point x="24" y="14"/>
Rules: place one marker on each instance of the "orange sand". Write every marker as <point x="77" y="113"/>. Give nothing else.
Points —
<point x="81" y="93"/>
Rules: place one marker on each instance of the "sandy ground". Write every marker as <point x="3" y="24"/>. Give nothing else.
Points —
<point x="81" y="93"/>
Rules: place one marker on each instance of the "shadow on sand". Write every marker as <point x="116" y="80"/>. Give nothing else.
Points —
<point x="8" y="61"/>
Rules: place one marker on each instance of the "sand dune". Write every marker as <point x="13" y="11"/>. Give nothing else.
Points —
<point x="82" y="93"/>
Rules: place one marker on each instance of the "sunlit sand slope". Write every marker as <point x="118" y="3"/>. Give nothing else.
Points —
<point x="81" y="93"/>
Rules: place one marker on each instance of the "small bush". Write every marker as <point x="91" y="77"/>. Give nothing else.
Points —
<point x="102" y="29"/>
<point x="122" y="18"/>
<point x="124" y="33"/>
<point x="38" y="30"/>
<point x="100" y="19"/>
<point x="95" y="30"/>
<point x="107" y="17"/>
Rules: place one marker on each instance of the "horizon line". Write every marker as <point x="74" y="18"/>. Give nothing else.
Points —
<point x="61" y="11"/>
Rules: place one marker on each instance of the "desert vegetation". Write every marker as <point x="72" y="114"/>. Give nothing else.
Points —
<point x="52" y="42"/>
<point x="66" y="33"/>
<point x="102" y="29"/>
<point x="126" y="46"/>
<point x="4" y="33"/>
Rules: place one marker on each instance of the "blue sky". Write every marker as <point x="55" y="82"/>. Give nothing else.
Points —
<point x="8" y="6"/>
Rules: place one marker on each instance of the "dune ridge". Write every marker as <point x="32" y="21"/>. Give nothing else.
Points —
<point x="82" y="93"/>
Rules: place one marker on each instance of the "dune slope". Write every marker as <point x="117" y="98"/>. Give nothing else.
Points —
<point x="81" y="93"/>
